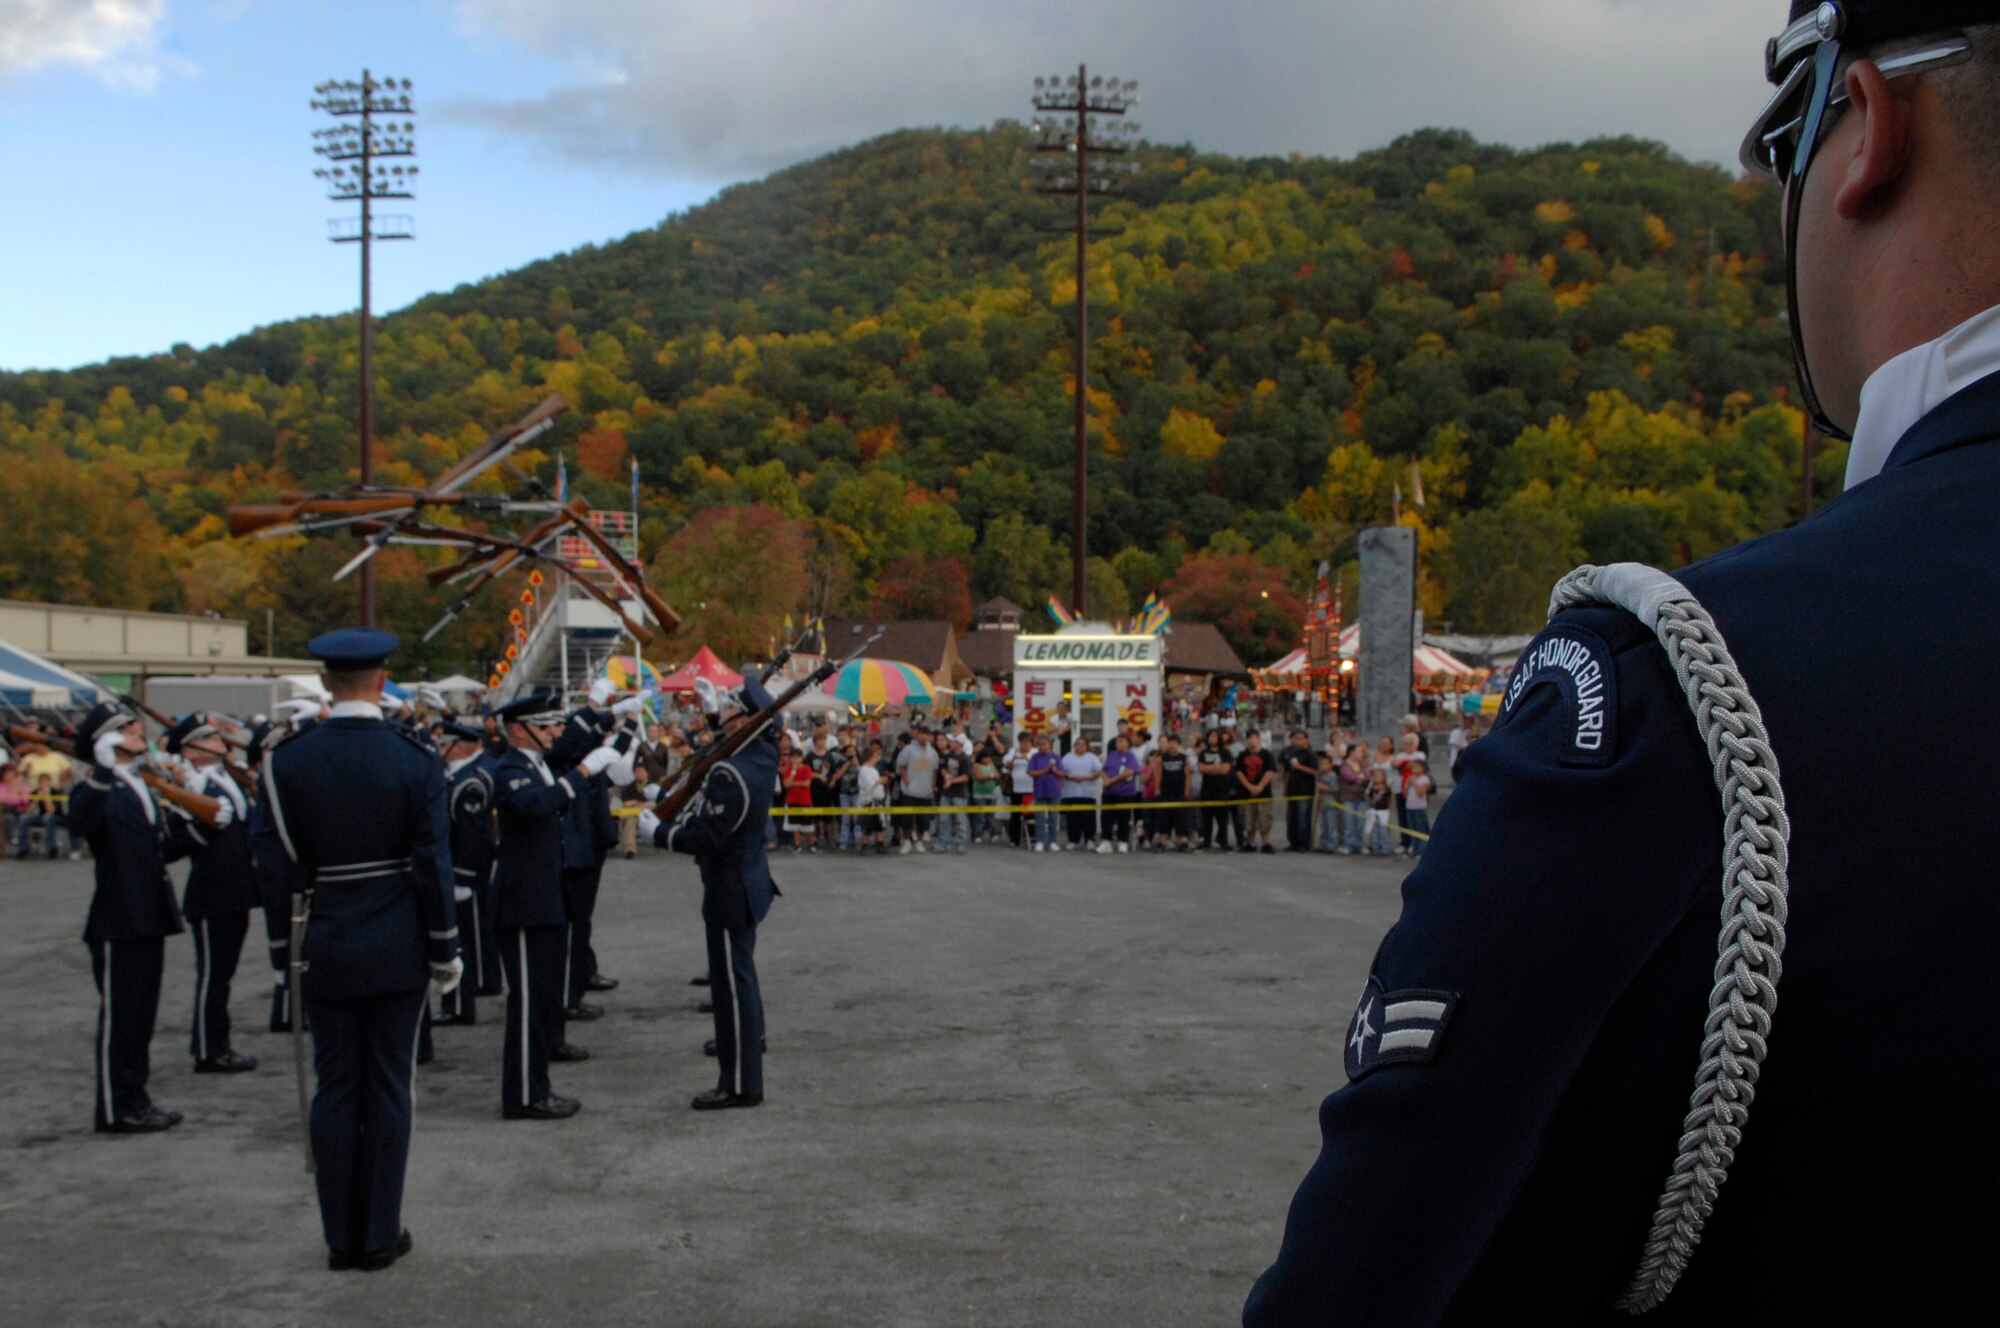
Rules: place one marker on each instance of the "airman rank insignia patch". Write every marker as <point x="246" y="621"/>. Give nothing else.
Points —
<point x="1396" y="1028"/>
<point x="1576" y="661"/>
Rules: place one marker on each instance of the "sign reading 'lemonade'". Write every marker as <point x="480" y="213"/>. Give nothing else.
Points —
<point x="1088" y="651"/>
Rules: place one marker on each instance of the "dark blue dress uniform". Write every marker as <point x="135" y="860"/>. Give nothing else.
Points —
<point x="359" y="804"/>
<point x="132" y="912"/>
<point x="588" y="834"/>
<point x="469" y="794"/>
<point x="221" y="890"/>
<point x="723" y="828"/>
<point x="278" y="877"/>
<point x="1521" y="1062"/>
<point x="531" y="803"/>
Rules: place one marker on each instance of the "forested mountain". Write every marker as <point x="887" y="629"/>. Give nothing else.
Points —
<point x="848" y="387"/>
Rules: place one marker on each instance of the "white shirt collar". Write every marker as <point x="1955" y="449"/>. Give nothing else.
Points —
<point x="453" y="767"/>
<point x="1915" y="383"/>
<point x="356" y="710"/>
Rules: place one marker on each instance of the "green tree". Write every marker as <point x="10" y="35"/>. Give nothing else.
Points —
<point x="1505" y="560"/>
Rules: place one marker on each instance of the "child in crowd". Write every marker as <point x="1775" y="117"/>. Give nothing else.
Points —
<point x="1417" y="807"/>
<point x="1381" y="801"/>
<point x="1327" y="788"/>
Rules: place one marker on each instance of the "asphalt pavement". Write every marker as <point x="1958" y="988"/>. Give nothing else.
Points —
<point x="1003" y="1088"/>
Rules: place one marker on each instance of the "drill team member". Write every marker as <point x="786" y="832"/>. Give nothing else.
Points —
<point x="1517" y="1141"/>
<point x="132" y="912"/>
<point x="723" y="828"/>
<point x="469" y="794"/>
<point x="357" y="804"/>
<point x="532" y="803"/>
<point x="221" y="891"/>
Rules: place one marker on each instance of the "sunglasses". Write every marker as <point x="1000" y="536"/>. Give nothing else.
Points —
<point x="1782" y="139"/>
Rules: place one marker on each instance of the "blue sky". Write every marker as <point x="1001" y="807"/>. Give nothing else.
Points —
<point x="160" y="150"/>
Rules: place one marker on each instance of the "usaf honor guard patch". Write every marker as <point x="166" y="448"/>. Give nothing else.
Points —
<point x="1577" y="662"/>
<point x="1396" y="1027"/>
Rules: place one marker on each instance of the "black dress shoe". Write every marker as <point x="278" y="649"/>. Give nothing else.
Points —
<point x="569" y="1052"/>
<point x="720" y="1099"/>
<point x="706" y="1007"/>
<point x="229" y="1062"/>
<point x="551" y="1107"/>
<point x="701" y="981"/>
<point x="584" y="1011"/>
<point x="371" y="1261"/>
<point x="708" y="1047"/>
<point x="598" y="982"/>
<point x="150" y="1121"/>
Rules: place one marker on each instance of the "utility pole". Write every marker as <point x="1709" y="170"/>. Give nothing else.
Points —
<point x="1067" y="122"/>
<point x="357" y="142"/>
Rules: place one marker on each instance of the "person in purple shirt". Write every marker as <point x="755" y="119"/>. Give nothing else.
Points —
<point x="1121" y="790"/>
<point x="1046" y="771"/>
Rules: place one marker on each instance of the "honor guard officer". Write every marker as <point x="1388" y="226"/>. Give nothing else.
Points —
<point x="1517" y="1141"/>
<point x="276" y="876"/>
<point x="221" y="891"/>
<point x="132" y="839"/>
<point x="591" y="833"/>
<point x="723" y="828"/>
<point x="531" y="803"/>
<point x="358" y="805"/>
<point x="469" y="793"/>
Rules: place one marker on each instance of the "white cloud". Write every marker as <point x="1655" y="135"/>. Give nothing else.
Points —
<point x="114" y="39"/>
<point x="724" y="91"/>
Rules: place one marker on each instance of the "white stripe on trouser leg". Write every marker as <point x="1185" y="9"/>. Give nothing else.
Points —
<point x="478" y="951"/>
<point x="569" y="948"/>
<point x="735" y="1005"/>
<point x="104" y="1042"/>
<point x="204" y="960"/>
<point x="525" y="1098"/>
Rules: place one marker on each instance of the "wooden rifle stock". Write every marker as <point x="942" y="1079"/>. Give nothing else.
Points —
<point x="200" y="806"/>
<point x="731" y="741"/>
<point x="245" y="780"/>
<point x="663" y="613"/>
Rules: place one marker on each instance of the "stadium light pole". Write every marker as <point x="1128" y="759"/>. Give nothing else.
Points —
<point x="1081" y="147"/>
<point x="355" y="145"/>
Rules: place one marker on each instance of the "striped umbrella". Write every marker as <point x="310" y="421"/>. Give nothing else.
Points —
<point x="631" y="674"/>
<point x="877" y="682"/>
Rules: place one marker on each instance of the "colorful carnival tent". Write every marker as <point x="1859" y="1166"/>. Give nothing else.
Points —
<point x="1433" y="667"/>
<point x="704" y="664"/>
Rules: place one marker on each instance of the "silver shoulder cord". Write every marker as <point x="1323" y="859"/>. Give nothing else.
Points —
<point x="1755" y="836"/>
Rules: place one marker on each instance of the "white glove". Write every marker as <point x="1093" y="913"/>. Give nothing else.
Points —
<point x="461" y="893"/>
<point x="225" y="813"/>
<point x="601" y="691"/>
<point x="600" y="759"/>
<point x="447" y="975"/>
<point x="105" y="750"/>
<point x="652" y="792"/>
<point x="649" y="825"/>
<point x="631" y="705"/>
<point x="711" y="700"/>
<point x="621" y="772"/>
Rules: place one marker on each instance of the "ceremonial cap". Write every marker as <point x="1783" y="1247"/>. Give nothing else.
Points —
<point x="102" y="719"/>
<point x="459" y="731"/>
<point x="534" y="708"/>
<point x="190" y="728"/>
<point x="353" y="649"/>
<point x="1864" y="23"/>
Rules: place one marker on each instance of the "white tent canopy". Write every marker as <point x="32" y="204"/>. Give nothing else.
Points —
<point x="457" y="683"/>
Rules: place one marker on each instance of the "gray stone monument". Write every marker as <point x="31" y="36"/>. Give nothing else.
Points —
<point x="1388" y="629"/>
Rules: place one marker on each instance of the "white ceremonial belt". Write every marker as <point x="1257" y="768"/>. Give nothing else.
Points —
<point x="363" y="871"/>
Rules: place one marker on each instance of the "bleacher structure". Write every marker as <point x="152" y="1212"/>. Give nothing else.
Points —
<point x="571" y="635"/>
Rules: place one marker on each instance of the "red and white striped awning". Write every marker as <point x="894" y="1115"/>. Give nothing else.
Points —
<point x="1425" y="661"/>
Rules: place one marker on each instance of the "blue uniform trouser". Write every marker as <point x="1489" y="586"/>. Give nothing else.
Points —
<point x="580" y="898"/>
<point x="739" y="1008"/>
<point x="462" y="1002"/>
<point x="534" y="959"/>
<point x="364" y="1055"/>
<point x="128" y="987"/>
<point x="218" y="944"/>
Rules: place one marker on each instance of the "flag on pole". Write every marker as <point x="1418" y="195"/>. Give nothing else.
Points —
<point x="635" y="491"/>
<point x="1064" y="617"/>
<point x="562" y="480"/>
<point x="1396" y="503"/>
<point x="1416" y="483"/>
